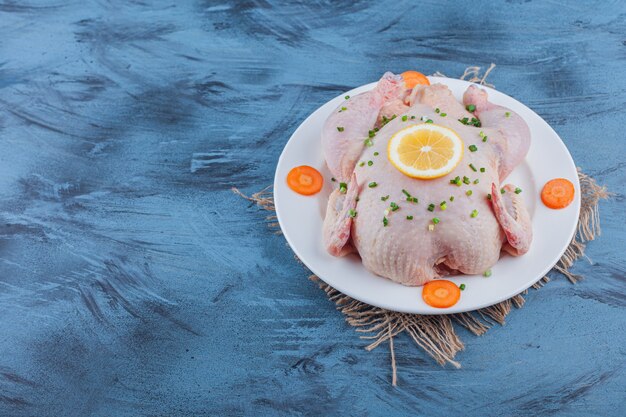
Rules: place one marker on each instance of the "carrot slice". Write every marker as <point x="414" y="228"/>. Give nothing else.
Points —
<point x="557" y="193"/>
<point x="441" y="293"/>
<point x="305" y="180"/>
<point x="413" y="78"/>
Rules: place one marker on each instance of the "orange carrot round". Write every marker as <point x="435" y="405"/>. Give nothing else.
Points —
<point x="557" y="193"/>
<point x="441" y="293"/>
<point x="413" y="78"/>
<point x="305" y="180"/>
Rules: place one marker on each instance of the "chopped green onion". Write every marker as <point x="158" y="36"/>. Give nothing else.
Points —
<point x="412" y="199"/>
<point x="502" y="191"/>
<point x="431" y="207"/>
<point x="372" y="184"/>
<point x="485" y="139"/>
<point x="376" y="154"/>
<point x="343" y="187"/>
<point x="518" y="190"/>
<point x="443" y="206"/>
<point x="437" y="110"/>
<point x="347" y="97"/>
<point x="443" y="114"/>
<point x="482" y="170"/>
<point x="385" y="198"/>
<point x="451" y="198"/>
<point x="340" y="128"/>
<point x="368" y="142"/>
<point x="394" y="206"/>
<point x="412" y="117"/>
<point x="344" y="108"/>
<point x="488" y="196"/>
<point x="473" y="148"/>
<point x="474" y="213"/>
<point x="409" y="217"/>
<point x="462" y="287"/>
<point x="473" y="167"/>
<point x="466" y="180"/>
<point x="487" y="273"/>
<point x="352" y="213"/>
<point x="371" y="133"/>
<point x="362" y="163"/>
<point x="428" y="121"/>
<point x="470" y="108"/>
<point x="456" y="181"/>
<point x="385" y="222"/>
<point x="468" y="193"/>
<point x="436" y="220"/>
<point x="375" y="129"/>
<point x="333" y="179"/>
<point x="481" y="134"/>
<point x="507" y="114"/>
<point x="406" y="193"/>
<point x="370" y="163"/>
<point x="404" y="118"/>
<point x="476" y="181"/>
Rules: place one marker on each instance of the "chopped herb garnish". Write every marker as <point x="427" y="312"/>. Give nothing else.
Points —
<point x="443" y="206"/>
<point x="372" y="184"/>
<point x="482" y="170"/>
<point x="428" y="121"/>
<point x="412" y="199"/>
<point x="443" y="114"/>
<point x="394" y="206"/>
<point x="462" y="287"/>
<point x="406" y="193"/>
<point x="347" y="97"/>
<point x="333" y="179"/>
<point x="485" y="139"/>
<point x="466" y="180"/>
<point x="502" y="191"/>
<point x="468" y="193"/>
<point x="470" y="108"/>
<point x="431" y="207"/>
<point x="340" y="128"/>
<point x="472" y="148"/>
<point x="474" y="213"/>
<point x="473" y="167"/>
<point x="362" y="163"/>
<point x="405" y="118"/>
<point x="451" y="198"/>
<point x="371" y="133"/>
<point x="437" y="110"/>
<point x="343" y="187"/>
<point x="376" y="154"/>
<point x="385" y="222"/>
<point x="456" y="181"/>
<point x="488" y="196"/>
<point x="409" y="217"/>
<point x="344" y="108"/>
<point x="487" y="273"/>
<point x="507" y="114"/>
<point x="385" y="198"/>
<point x="368" y="142"/>
<point x="352" y="213"/>
<point x="375" y="129"/>
<point x="436" y="220"/>
<point x="370" y="163"/>
<point x="476" y="181"/>
<point x="473" y="122"/>
<point x="412" y="117"/>
<point x="518" y="190"/>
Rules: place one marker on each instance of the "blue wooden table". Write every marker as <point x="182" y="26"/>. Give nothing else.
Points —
<point x="133" y="282"/>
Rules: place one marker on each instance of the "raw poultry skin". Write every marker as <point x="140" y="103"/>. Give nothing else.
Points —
<point x="406" y="251"/>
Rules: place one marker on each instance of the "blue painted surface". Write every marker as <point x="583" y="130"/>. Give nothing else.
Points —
<point x="134" y="283"/>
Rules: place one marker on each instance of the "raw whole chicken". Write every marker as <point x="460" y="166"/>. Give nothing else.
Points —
<point x="390" y="224"/>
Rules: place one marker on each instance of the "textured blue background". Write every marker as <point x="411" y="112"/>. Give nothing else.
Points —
<point x="134" y="283"/>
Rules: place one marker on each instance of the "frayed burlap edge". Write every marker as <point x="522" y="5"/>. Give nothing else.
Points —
<point x="435" y="334"/>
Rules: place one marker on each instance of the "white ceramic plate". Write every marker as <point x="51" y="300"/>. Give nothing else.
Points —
<point x="301" y="217"/>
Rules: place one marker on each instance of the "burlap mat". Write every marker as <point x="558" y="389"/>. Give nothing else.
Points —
<point x="436" y="335"/>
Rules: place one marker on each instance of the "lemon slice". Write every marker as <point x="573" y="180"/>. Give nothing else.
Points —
<point x="425" y="150"/>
